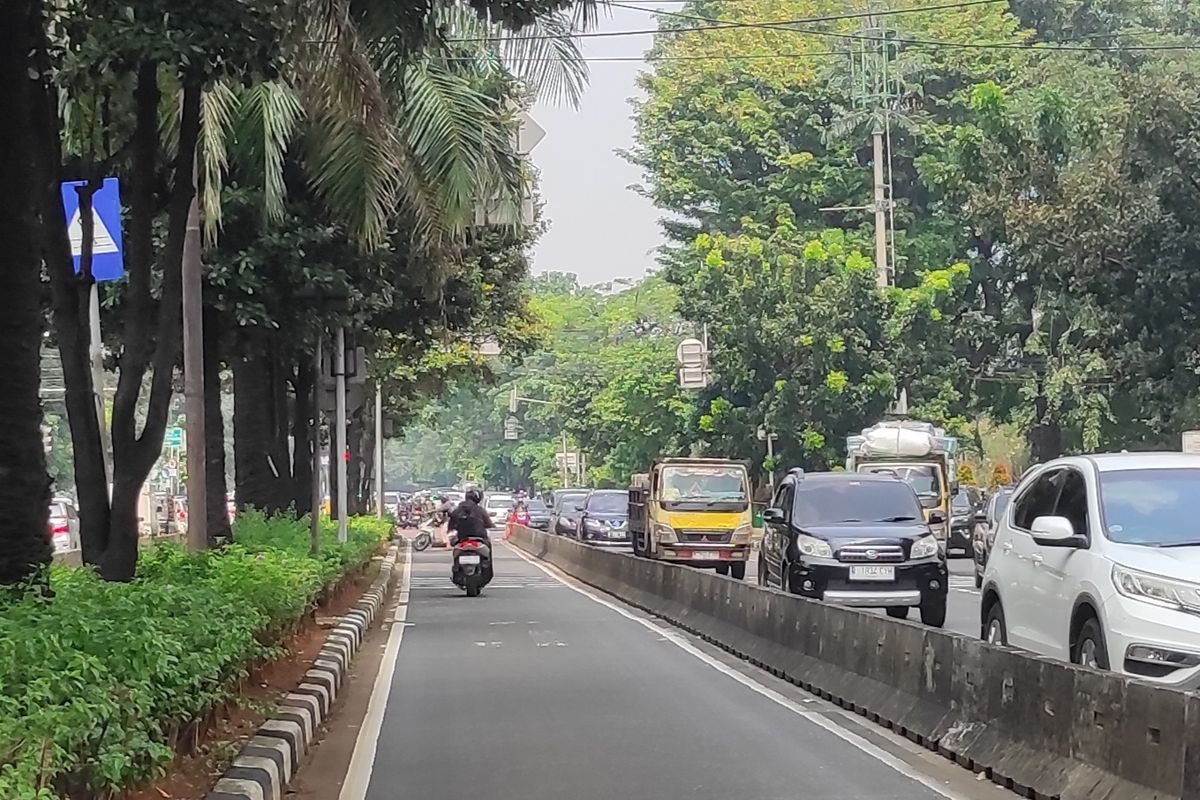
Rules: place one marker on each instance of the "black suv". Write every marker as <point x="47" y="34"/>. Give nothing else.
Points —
<point x="854" y="539"/>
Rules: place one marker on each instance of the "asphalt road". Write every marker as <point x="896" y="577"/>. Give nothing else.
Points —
<point x="538" y="690"/>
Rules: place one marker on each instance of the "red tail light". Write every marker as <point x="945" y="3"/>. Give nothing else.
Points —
<point x="468" y="544"/>
<point x="59" y="527"/>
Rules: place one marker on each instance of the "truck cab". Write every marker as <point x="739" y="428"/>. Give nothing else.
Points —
<point x="693" y="511"/>
<point x="918" y="453"/>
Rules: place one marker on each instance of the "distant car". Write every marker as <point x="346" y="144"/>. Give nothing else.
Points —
<point x="539" y="513"/>
<point x="498" y="505"/>
<point x="64" y="525"/>
<point x="855" y="539"/>
<point x="962" y="523"/>
<point x="565" y="521"/>
<point x="1096" y="562"/>
<point x="986" y="521"/>
<point x="604" y="518"/>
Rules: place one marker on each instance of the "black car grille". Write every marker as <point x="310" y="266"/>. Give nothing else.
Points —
<point x="862" y="553"/>
<point x="705" y="537"/>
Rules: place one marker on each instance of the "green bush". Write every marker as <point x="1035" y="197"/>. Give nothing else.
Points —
<point x="97" y="679"/>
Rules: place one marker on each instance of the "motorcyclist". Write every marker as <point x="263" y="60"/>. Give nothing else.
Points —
<point x="470" y="520"/>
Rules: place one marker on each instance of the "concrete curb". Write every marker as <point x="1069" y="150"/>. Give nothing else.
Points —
<point x="267" y="762"/>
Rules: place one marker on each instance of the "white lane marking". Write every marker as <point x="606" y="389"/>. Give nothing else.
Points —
<point x="362" y="762"/>
<point x="815" y="717"/>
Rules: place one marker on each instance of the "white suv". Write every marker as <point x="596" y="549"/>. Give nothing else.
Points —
<point x="1097" y="560"/>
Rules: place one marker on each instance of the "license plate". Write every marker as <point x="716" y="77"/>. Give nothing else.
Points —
<point x="616" y="535"/>
<point x="873" y="573"/>
<point x="468" y="559"/>
<point x="706" y="556"/>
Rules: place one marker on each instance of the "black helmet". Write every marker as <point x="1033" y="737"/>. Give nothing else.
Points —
<point x="474" y="495"/>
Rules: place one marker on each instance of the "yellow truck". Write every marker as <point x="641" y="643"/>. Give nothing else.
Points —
<point x="693" y="511"/>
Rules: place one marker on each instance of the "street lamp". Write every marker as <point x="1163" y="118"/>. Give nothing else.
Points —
<point x="769" y="437"/>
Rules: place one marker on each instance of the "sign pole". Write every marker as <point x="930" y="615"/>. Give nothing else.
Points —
<point x="96" y="351"/>
<point x="193" y="380"/>
<point x="339" y="376"/>
<point x="379" y="449"/>
<point x="314" y="521"/>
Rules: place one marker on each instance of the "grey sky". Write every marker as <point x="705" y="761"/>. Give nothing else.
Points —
<point x="599" y="229"/>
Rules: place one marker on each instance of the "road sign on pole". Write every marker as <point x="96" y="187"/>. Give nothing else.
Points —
<point x="108" y="263"/>
<point x="512" y="429"/>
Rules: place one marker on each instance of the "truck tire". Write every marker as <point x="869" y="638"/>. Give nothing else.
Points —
<point x="737" y="570"/>
<point x="722" y="569"/>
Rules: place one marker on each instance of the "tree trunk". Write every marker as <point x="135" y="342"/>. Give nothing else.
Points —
<point x="217" y="515"/>
<point x="70" y="301"/>
<point x="260" y="426"/>
<point x="1045" y="434"/>
<point x="133" y="454"/>
<point x="24" y="482"/>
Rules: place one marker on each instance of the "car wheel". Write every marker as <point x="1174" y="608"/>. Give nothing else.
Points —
<point x="898" y="612"/>
<point x="933" y="611"/>
<point x="737" y="570"/>
<point x="762" y="570"/>
<point x="995" y="631"/>
<point x="722" y="569"/>
<point x="1089" y="649"/>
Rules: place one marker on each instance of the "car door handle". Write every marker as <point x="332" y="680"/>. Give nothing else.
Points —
<point x="1036" y="559"/>
<point x="1007" y="547"/>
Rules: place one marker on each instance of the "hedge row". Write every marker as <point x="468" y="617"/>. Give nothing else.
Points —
<point x="99" y="680"/>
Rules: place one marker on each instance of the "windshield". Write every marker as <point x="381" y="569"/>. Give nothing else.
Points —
<point x="923" y="478"/>
<point x="704" y="483"/>
<point x="1159" y="507"/>
<point x="827" y="502"/>
<point x="961" y="502"/>
<point x="536" y="506"/>
<point x="567" y="502"/>
<point x="608" y="503"/>
<point x="499" y="501"/>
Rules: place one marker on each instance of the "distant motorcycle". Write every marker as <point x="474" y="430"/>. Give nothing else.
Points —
<point x="472" y="568"/>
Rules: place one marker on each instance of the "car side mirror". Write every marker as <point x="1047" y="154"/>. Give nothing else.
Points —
<point x="773" y="515"/>
<point x="579" y="508"/>
<point x="937" y="517"/>
<point x="1056" y="532"/>
<point x="981" y="516"/>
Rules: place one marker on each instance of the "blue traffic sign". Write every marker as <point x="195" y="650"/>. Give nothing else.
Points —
<point x="108" y="263"/>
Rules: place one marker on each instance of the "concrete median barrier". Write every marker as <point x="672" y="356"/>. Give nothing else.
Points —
<point x="1044" y="728"/>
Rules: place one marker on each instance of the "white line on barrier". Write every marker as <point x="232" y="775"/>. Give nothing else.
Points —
<point x="362" y="762"/>
<point x="815" y="717"/>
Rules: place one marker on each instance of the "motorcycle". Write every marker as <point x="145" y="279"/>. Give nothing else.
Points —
<point x="472" y="568"/>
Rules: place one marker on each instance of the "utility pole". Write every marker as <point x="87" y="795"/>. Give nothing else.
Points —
<point x="874" y="91"/>
<point x="565" y="474"/>
<point x="882" y="204"/>
<point x="193" y="378"/>
<point x="314" y="521"/>
<point x="378" y="449"/>
<point x="339" y="377"/>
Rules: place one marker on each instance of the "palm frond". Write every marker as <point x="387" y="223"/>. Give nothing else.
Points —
<point x="339" y="86"/>
<point x="267" y="121"/>
<point x="544" y="56"/>
<point x="458" y="140"/>
<point x="217" y="106"/>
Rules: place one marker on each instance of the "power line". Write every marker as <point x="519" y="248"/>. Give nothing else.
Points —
<point x="653" y="57"/>
<point x="717" y="24"/>
<point x="790" y="26"/>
